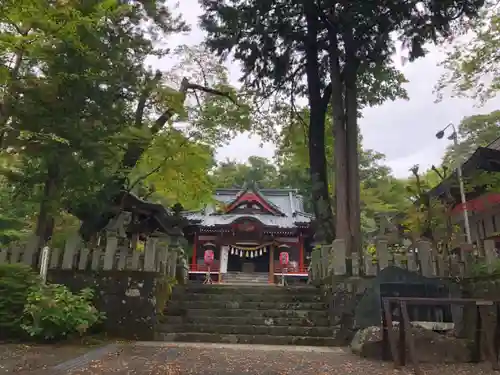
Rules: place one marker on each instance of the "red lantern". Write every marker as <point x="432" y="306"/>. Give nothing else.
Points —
<point x="208" y="257"/>
<point x="284" y="258"/>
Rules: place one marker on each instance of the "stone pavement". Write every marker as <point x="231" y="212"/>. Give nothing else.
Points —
<point x="225" y="359"/>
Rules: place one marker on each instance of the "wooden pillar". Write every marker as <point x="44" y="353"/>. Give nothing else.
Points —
<point x="301" y="253"/>
<point x="195" y="246"/>
<point x="271" y="264"/>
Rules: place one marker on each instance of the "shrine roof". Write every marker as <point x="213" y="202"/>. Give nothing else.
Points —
<point x="268" y="220"/>
<point x="287" y="204"/>
<point x="486" y="159"/>
<point x="287" y="201"/>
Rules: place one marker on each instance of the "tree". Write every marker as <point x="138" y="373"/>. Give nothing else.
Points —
<point x="65" y="96"/>
<point x="85" y="118"/>
<point x="472" y="65"/>
<point x="356" y="47"/>
<point x="428" y="215"/>
<point x="174" y="169"/>
<point x="473" y="132"/>
<point x="210" y="115"/>
<point x="257" y="170"/>
<point x="381" y="192"/>
<point x="281" y="44"/>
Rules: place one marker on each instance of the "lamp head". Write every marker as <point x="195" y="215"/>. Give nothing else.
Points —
<point x="440" y="134"/>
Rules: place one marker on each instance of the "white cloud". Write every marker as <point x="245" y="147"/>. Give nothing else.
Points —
<point x="402" y="130"/>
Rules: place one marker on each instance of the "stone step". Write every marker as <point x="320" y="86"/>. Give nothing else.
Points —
<point x="246" y="339"/>
<point x="245" y="283"/>
<point x="269" y="313"/>
<point x="256" y="278"/>
<point x="240" y="289"/>
<point x="246" y="320"/>
<point x="251" y="297"/>
<point x="224" y="304"/>
<point x="226" y="329"/>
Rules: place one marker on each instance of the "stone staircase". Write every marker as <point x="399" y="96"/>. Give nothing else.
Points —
<point x="244" y="278"/>
<point x="269" y="315"/>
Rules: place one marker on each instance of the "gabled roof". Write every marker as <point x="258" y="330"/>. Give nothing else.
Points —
<point x="284" y="205"/>
<point x="253" y="195"/>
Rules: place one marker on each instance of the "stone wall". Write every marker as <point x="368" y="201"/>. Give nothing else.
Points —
<point x="128" y="298"/>
<point x="342" y="298"/>
<point x="484" y="288"/>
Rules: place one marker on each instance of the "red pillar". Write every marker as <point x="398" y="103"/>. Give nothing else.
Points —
<point x="301" y="253"/>
<point x="195" y="245"/>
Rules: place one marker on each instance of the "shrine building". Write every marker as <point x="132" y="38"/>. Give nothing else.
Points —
<point x="247" y="229"/>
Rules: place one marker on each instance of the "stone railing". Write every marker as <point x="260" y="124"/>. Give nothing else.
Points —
<point x="160" y="253"/>
<point x="333" y="260"/>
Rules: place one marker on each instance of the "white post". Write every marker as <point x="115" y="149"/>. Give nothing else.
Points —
<point x="44" y="264"/>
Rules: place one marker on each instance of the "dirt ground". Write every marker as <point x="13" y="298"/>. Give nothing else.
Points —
<point x="253" y="360"/>
<point x="211" y="359"/>
<point x="21" y="358"/>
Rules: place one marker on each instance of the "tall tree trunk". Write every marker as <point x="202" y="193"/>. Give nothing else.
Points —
<point x="45" y="220"/>
<point x="342" y="222"/>
<point x="352" y="159"/>
<point x="318" y="104"/>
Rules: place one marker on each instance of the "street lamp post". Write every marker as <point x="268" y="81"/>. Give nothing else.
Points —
<point x="454" y="137"/>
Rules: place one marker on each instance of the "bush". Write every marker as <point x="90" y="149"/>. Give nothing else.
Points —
<point x="16" y="281"/>
<point x="53" y="312"/>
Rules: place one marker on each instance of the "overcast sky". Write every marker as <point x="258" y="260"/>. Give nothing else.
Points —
<point x="402" y="130"/>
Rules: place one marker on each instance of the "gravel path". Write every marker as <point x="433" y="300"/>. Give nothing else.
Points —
<point x="206" y="359"/>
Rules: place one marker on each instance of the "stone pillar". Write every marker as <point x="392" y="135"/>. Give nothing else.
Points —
<point x="114" y="231"/>
<point x="162" y="253"/>
<point x="382" y="251"/>
<point x="425" y="258"/>
<point x="31" y="249"/>
<point x="150" y="254"/>
<point x="490" y="254"/>
<point x="175" y="252"/>
<point x="111" y="246"/>
<point x="73" y="244"/>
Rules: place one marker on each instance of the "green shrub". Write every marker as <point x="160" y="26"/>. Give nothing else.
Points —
<point x="164" y="287"/>
<point x="485" y="269"/>
<point x="53" y="312"/>
<point x="16" y="281"/>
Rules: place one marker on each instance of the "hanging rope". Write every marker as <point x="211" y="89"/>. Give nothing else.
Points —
<point x="248" y="248"/>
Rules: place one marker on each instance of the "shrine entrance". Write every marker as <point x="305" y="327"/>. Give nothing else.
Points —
<point x="256" y="261"/>
<point x="247" y="231"/>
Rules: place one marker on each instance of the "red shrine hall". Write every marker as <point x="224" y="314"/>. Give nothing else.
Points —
<point x="247" y="229"/>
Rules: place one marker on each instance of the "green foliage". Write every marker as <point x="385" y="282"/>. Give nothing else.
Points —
<point x="473" y="64"/>
<point x="330" y="53"/>
<point x="473" y="132"/>
<point x="16" y="214"/>
<point x="53" y="312"/>
<point x="380" y="191"/>
<point x="174" y="169"/>
<point x="164" y="287"/>
<point x="76" y="89"/>
<point x="486" y="269"/>
<point x="16" y="281"/>
<point x="257" y="169"/>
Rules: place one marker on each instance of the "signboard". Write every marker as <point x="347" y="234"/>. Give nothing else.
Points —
<point x="208" y="257"/>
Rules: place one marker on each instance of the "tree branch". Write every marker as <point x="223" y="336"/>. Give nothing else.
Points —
<point x="194" y="86"/>
<point x="141" y="105"/>
<point x="135" y="151"/>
